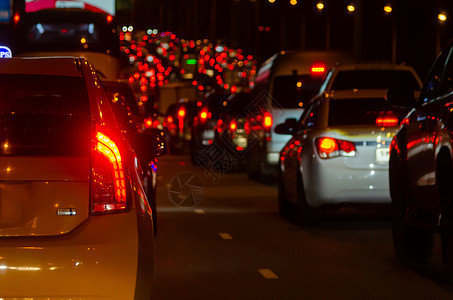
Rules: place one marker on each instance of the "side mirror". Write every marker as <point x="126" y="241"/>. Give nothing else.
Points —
<point x="148" y="145"/>
<point x="400" y="96"/>
<point x="289" y="127"/>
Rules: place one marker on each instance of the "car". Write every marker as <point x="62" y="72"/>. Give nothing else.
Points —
<point x="337" y="155"/>
<point x="73" y="208"/>
<point x="233" y="129"/>
<point x="421" y="168"/>
<point x="178" y="123"/>
<point x="134" y="125"/>
<point x="204" y="123"/>
<point x="283" y="85"/>
<point x="70" y="31"/>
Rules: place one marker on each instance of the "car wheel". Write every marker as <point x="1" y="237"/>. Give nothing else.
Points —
<point x="410" y="244"/>
<point x="305" y="215"/>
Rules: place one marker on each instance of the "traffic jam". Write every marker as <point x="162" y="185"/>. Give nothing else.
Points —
<point x="139" y="164"/>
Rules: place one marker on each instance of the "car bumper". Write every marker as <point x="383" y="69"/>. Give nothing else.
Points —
<point x="89" y="262"/>
<point x="329" y="182"/>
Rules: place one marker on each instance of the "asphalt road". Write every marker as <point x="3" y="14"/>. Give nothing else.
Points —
<point x="221" y="237"/>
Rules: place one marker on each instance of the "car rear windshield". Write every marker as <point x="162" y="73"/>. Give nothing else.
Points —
<point x="374" y="79"/>
<point x="361" y="111"/>
<point x="43" y="115"/>
<point x="290" y="90"/>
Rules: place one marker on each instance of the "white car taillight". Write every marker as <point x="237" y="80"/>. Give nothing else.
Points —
<point x="108" y="182"/>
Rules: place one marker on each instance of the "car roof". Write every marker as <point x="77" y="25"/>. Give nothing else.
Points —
<point x="59" y="66"/>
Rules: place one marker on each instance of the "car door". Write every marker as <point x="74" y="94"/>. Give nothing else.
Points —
<point x="421" y="133"/>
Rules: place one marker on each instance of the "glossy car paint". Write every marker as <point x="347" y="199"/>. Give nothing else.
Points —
<point x="84" y="256"/>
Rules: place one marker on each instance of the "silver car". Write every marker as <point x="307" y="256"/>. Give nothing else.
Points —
<point x="338" y="154"/>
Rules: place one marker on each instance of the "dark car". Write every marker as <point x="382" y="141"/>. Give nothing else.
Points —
<point x="232" y="132"/>
<point x="133" y="124"/>
<point x="421" y="167"/>
<point x="205" y="122"/>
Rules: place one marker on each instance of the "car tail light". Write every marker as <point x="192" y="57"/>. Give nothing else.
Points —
<point x="267" y="120"/>
<point x="318" y="69"/>
<point x="181" y="112"/>
<point x="204" y="115"/>
<point x="387" y="121"/>
<point x="16" y="18"/>
<point x="148" y="122"/>
<point x="108" y="183"/>
<point x="329" y="147"/>
<point x="170" y="119"/>
<point x="109" y="19"/>
<point x="233" y="126"/>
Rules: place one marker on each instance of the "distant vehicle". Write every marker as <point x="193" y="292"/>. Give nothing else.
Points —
<point x="73" y="208"/>
<point x="421" y="166"/>
<point x="283" y="86"/>
<point x="339" y="150"/>
<point x="205" y="122"/>
<point x="132" y="124"/>
<point x="179" y="121"/>
<point x="70" y="32"/>
<point x="233" y="129"/>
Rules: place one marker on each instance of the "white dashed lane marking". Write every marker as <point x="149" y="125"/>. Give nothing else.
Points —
<point x="268" y="274"/>
<point x="225" y="236"/>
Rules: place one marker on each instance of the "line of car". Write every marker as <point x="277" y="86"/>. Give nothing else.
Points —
<point x="365" y="134"/>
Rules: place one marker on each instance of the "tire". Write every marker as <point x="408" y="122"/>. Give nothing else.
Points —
<point x="410" y="244"/>
<point x="305" y="215"/>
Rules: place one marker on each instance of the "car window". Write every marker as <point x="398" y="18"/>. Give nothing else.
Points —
<point x="374" y="79"/>
<point x="307" y="120"/>
<point x="361" y="111"/>
<point x="44" y="115"/>
<point x="431" y="86"/>
<point x="446" y="85"/>
<point x="292" y="91"/>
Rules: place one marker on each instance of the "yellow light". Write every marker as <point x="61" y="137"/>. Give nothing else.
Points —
<point x="293" y="2"/>
<point x="83" y="40"/>
<point x="388" y="9"/>
<point x="299" y="84"/>
<point x="5" y="145"/>
<point x="442" y="17"/>
<point x="271" y="1"/>
<point x="301" y="104"/>
<point x="351" y="8"/>
<point x="320" y="6"/>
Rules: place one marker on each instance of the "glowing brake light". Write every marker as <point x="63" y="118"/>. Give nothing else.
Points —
<point x="148" y="122"/>
<point x="268" y="121"/>
<point x="233" y="126"/>
<point x="329" y="147"/>
<point x="386" y="121"/>
<point x="181" y="112"/>
<point x="170" y="119"/>
<point x="16" y="18"/>
<point x="318" y="69"/>
<point x="109" y="19"/>
<point x="108" y="177"/>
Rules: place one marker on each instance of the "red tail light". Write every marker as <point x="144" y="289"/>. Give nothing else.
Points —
<point x="16" y="18"/>
<point x="170" y="119"/>
<point x="387" y="121"/>
<point x="109" y="19"/>
<point x="318" y="69"/>
<point x="148" y="122"/>
<point x="267" y="121"/>
<point x="329" y="147"/>
<point x="108" y="183"/>
<point x="181" y="112"/>
<point x="233" y="126"/>
<point x="204" y="115"/>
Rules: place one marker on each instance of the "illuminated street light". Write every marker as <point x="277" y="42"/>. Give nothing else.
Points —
<point x="442" y="17"/>
<point x="271" y="1"/>
<point x="293" y="2"/>
<point x="388" y="9"/>
<point x="351" y="8"/>
<point x="320" y="6"/>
